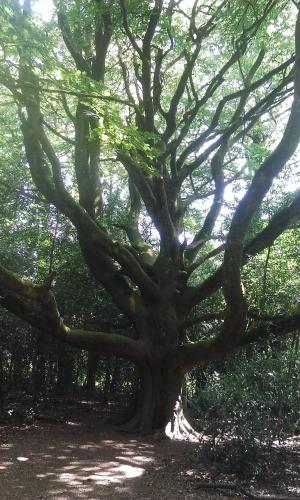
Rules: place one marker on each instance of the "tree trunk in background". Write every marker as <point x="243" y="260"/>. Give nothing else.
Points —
<point x="17" y="367"/>
<point x="107" y="379"/>
<point x="92" y="365"/>
<point x="51" y="372"/>
<point x="39" y="367"/>
<point x="65" y="371"/>
<point x="2" y="379"/>
<point x="115" y="378"/>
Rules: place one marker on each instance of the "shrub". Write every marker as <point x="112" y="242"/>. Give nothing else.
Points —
<point x="246" y="405"/>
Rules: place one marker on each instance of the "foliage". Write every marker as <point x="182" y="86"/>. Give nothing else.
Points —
<point x="144" y="152"/>
<point x="246" y="404"/>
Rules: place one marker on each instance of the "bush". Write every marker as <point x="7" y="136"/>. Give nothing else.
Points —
<point x="248" y="404"/>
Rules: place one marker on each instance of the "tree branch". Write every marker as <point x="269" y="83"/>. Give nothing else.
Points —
<point x="127" y="29"/>
<point x="103" y="34"/>
<point x="17" y="296"/>
<point x="201" y="353"/>
<point x="58" y="134"/>
<point x="80" y="62"/>
<point x="279" y="223"/>
<point x="235" y="320"/>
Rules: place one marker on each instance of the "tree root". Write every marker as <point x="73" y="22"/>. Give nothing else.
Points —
<point x="136" y="420"/>
<point x="180" y="429"/>
<point x="248" y="494"/>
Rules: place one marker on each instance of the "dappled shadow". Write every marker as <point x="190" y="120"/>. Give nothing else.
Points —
<point x="85" y="459"/>
<point x="81" y="460"/>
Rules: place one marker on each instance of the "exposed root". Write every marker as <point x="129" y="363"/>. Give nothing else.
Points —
<point x="182" y="431"/>
<point x="179" y="428"/>
<point x="141" y="419"/>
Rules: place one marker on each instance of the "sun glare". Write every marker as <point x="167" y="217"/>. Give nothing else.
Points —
<point x="44" y="9"/>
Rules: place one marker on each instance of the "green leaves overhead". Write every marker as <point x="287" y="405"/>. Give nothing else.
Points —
<point x="152" y="125"/>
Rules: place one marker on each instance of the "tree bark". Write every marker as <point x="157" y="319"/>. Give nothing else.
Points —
<point x="159" y="407"/>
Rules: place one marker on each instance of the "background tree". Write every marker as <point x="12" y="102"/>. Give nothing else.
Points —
<point x="171" y="106"/>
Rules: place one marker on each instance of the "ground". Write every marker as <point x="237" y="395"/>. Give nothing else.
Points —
<point x="80" y="457"/>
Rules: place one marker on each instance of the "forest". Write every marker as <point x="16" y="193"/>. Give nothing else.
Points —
<point x="150" y="247"/>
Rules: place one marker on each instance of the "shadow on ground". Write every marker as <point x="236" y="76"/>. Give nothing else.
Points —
<point x="73" y="460"/>
<point x="84" y="459"/>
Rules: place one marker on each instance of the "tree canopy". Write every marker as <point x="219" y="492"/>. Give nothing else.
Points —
<point x="160" y="136"/>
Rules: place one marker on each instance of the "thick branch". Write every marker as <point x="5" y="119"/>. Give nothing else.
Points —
<point x="131" y="227"/>
<point x="51" y="185"/>
<point x="19" y="297"/>
<point x="235" y="320"/>
<point x="80" y="62"/>
<point x="279" y="223"/>
<point x="146" y="65"/>
<point x="208" y="350"/>
<point x="210" y="220"/>
<point x="127" y="30"/>
<point x="87" y="150"/>
<point x="103" y="34"/>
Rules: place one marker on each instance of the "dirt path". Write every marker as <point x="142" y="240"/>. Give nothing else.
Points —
<point x="86" y="460"/>
<point x="66" y="461"/>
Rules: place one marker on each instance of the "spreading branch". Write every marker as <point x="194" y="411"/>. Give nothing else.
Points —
<point x="36" y="304"/>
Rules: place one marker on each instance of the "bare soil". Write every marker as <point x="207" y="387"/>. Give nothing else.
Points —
<point x="83" y="458"/>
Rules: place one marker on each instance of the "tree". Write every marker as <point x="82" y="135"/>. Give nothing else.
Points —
<point x="172" y="102"/>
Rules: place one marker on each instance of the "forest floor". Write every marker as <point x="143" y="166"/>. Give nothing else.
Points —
<point x="69" y="453"/>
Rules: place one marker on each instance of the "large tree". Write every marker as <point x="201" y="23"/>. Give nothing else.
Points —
<point x="172" y="103"/>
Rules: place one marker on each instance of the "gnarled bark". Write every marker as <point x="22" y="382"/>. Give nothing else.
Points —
<point x="159" y="408"/>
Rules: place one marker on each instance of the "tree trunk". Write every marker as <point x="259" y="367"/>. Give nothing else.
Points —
<point x="65" y="371"/>
<point x="92" y="365"/>
<point x="2" y="379"/>
<point x="107" y="380"/>
<point x="17" y="362"/>
<point x="115" y="378"/>
<point x="39" y="367"/>
<point x="159" y="407"/>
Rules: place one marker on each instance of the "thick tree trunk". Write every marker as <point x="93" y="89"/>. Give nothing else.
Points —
<point x="159" y="407"/>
